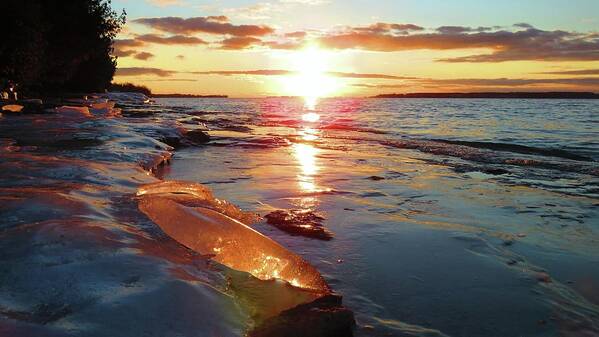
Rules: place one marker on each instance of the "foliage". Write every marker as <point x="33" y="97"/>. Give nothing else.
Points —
<point x="53" y="46"/>
<point x="130" y="87"/>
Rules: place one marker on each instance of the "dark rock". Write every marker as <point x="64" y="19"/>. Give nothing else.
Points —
<point x="324" y="317"/>
<point x="543" y="277"/>
<point x="172" y="141"/>
<point x="196" y="137"/>
<point x="495" y="171"/>
<point x="376" y="178"/>
<point x="299" y="222"/>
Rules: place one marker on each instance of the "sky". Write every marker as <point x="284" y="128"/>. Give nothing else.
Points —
<point x="317" y="48"/>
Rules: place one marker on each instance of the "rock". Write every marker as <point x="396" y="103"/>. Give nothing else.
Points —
<point x="299" y="222"/>
<point x="323" y="317"/>
<point x="376" y="178"/>
<point x="494" y="171"/>
<point x="12" y="108"/>
<point x="543" y="277"/>
<point x="196" y="137"/>
<point x="32" y="101"/>
<point x="172" y="141"/>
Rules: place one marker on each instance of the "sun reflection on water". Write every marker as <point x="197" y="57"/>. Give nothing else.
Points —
<point x="306" y="156"/>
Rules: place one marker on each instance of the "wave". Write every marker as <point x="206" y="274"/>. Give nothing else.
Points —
<point x="517" y="148"/>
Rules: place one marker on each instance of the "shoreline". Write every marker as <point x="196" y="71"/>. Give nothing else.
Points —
<point x="56" y="137"/>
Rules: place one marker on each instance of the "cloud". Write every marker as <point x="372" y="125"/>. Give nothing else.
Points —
<point x="128" y="47"/>
<point x="210" y="25"/>
<point x="127" y="43"/>
<point x="264" y="10"/>
<point x="573" y="72"/>
<point x="259" y="11"/>
<point x="169" y="40"/>
<point x="359" y="75"/>
<point x="379" y="86"/>
<point x="511" y="82"/>
<point x="296" y="35"/>
<point x="237" y="43"/>
<point x="528" y="43"/>
<point x="387" y="28"/>
<point x="137" y="71"/>
<point x="259" y="72"/>
<point x="461" y="29"/>
<point x="123" y="53"/>
<point x="279" y="72"/>
<point x="144" y="56"/>
<point x="464" y="84"/>
<point x="165" y="3"/>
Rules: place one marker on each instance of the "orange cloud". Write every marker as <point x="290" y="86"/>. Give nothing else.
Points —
<point x="210" y="25"/>
<point x="169" y="40"/>
<point x="528" y="43"/>
<point x="143" y="56"/>
<point x="137" y="71"/>
<point x="239" y="42"/>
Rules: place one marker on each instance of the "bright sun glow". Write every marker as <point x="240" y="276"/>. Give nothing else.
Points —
<point x="311" y="117"/>
<point x="311" y="79"/>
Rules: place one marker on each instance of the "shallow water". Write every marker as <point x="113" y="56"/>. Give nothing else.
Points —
<point x="450" y="217"/>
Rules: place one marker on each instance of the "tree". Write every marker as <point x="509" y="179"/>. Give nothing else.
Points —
<point x="53" y="46"/>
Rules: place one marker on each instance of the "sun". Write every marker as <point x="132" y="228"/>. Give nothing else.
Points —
<point x="310" y="78"/>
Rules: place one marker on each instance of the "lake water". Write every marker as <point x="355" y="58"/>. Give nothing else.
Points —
<point x="450" y="217"/>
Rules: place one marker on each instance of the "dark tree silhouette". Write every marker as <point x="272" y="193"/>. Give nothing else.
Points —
<point x="130" y="87"/>
<point x="53" y="46"/>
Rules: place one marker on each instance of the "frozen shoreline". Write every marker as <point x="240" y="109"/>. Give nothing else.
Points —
<point x="79" y="258"/>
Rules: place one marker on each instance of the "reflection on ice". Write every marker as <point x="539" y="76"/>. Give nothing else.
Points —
<point x="229" y="241"/>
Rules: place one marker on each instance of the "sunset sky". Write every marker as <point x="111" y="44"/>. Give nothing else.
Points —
<point x="248" y="48"/>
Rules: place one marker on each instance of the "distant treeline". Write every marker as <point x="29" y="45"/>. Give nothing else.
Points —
<point x="51" y="46"/>
<point x="130" y="87"/>
<point x="513" y="95"/>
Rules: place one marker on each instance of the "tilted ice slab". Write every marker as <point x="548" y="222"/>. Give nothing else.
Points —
<point x="229" y="241"/>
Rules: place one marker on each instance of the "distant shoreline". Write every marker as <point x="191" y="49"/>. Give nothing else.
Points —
<point x="450" y="95"/>
<point x="497" y="95"/>
<point x="187" y="96"/>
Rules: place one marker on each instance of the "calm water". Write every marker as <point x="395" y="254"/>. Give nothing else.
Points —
<point x="451" y="217"/>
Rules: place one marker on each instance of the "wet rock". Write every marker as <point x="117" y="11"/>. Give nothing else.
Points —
<point x="543" y="277"/>
<point x="299" y="222"/>
<point x="376" y="178"/>
<point x="495" y="171"/>
<point x="172" y="141"/>
<point x="197" y="137"/>
<point x="324" y="317"/>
